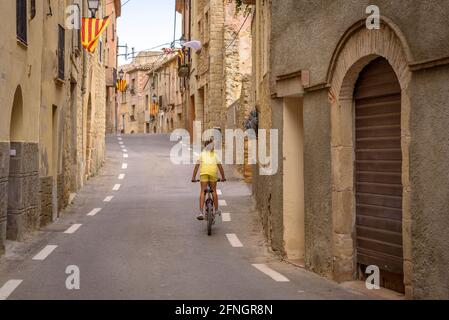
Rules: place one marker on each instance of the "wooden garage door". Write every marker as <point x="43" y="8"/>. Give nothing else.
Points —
<point x="378" y="172"/>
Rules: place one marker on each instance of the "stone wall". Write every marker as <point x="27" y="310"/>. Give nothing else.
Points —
<point x="237" y="114"/>
<point x="429" y="179"/>
<point x="62" y="196"/>
<point x="420" y="56"/>
<point x="46" y="199"/>
<point x="97" y="94"/>
<point x="213" y="110"/>
<point x="4" y="172"/>
<point x="314" y="41"/>
<point x="23" y="191"/>
<point x="268" y="189"/>
<point x="317" y="184"/>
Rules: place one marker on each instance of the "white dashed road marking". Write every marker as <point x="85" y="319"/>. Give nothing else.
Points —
<point x="219" y="192"/>
<point x="121" y="177"/>
<point x="233" y="240"/>
<point x="125" y="166"/>
<point x="276" y="276"/>
<point x="222" y="203"/>
<point x="94" y="212"/>
<point x="120" y="142"/>
<point x="45" y="252"/>
<point x="125" y="155"/>
<point x="9" y="288"/>
<point x="73" y="228"/>
<point x="108" y="199"/>
<point x="116" y="187"/>
<point x="226" y="217"/>
<point x="120" y="139"/>
<point x="124" y="150"/>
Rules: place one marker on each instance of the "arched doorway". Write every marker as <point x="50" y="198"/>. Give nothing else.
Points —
<point x="348" y="63"/>
<point x="378" y="173"/>
<point x="16" y="126"/>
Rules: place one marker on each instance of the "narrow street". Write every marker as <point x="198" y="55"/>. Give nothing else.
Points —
<point x="145" y="242"/>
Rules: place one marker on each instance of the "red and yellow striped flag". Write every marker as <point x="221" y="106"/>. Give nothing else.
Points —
<point x="121" y="85"/>
<point x="154" y="109"/>
<point x="91" y="31"/>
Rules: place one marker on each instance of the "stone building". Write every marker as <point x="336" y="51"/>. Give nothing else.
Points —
<point x="20" y="70"/>
<point x="217" y="69"/>
<point x="113" y="10"/>
<point x="53" y="101"/>
<point x="164" y="91"/>
<point x="362" y="114"/>
<point x="133" y="102"/>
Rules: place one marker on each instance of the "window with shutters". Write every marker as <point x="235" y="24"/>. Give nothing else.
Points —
<point x="21" y="16"/>
<point x="61" y="52"/>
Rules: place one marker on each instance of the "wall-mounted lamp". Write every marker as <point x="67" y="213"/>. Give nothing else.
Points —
<point x="93" y="6"/>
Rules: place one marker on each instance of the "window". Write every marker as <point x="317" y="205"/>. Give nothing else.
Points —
<point x="61" y="53"/>
<point x="133" y="86"/>
<point x="133" y="113"/>
<point x="113" y="32"/>
<point x="21" y="16"/>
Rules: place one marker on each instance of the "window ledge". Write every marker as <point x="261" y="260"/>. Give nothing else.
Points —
<point x="22" y="43"/>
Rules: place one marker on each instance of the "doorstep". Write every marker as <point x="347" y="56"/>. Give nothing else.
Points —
<point x="382" y="293"/>
<point x="296" y="262"/>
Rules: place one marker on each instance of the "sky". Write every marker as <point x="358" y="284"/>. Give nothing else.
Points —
<point x="147" y="23"/>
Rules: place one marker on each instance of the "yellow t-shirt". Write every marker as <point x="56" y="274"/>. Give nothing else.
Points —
<point x="208" y="163"/>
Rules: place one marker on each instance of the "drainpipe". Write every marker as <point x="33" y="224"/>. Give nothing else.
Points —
<point x="83" y="93"/>
<point x="83" y="82"/>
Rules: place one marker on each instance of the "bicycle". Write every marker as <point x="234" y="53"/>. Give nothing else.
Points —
<point x="209" y="206"/>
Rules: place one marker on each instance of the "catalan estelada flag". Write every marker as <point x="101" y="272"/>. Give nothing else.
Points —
<point x="121" y="85"/>
<point x="91" y="31"/>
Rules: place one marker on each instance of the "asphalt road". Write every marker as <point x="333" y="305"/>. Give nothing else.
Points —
<point x="145" y="243"/>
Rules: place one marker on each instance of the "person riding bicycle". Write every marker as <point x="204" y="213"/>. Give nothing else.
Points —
<point x="208" y="163"/>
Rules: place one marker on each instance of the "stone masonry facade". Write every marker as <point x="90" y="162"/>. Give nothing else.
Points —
<point x="52" y="137"/>
<point x="321" y="83"/>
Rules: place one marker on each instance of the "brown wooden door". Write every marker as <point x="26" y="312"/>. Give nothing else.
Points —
<point x="378" y="174"/>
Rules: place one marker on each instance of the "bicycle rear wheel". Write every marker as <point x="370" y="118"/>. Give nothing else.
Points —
<point x="210" y="219"/>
